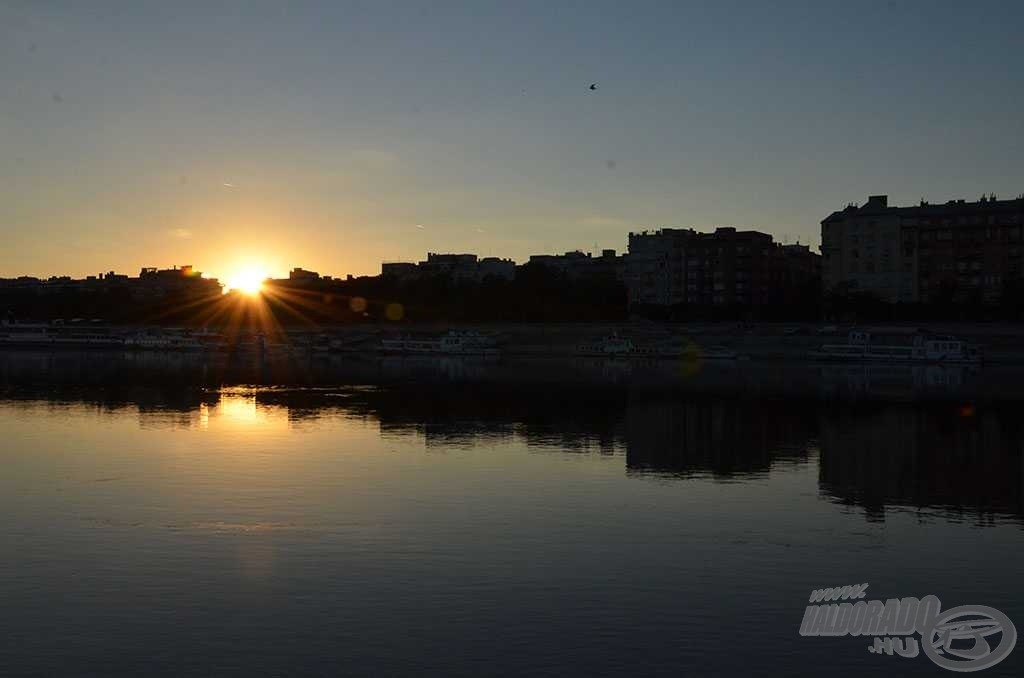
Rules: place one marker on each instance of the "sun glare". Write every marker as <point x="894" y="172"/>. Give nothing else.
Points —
<point x="248" y="281"/>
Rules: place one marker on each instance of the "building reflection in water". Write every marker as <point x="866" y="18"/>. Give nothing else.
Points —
<point x="892" y="448"/>
<point x="962" y="458"/>
<point x="723" y="437"/>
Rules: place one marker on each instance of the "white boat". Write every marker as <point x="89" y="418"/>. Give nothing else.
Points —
<point x="912" y="346"/>
<point x="608" y="346"/>
<point x="353" y="342"/>
<point x="452" y="343"/>
<point x="308" y="344"/>
<point x="87" y="335"/>
<point x="25" y="334"/>
<point x="615" y="346"/>
<point x="58" y="335"/>
<point x="713" y="353"/>
<point x="163" y="340"/>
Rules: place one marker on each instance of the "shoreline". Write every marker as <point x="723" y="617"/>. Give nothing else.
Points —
<point x="1000" y="343"/>
<point x="24" y="372"/>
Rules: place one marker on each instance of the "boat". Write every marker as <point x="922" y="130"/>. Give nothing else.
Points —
<point x="353" y="342"/>
<point x="303" y="344"/>
<point x="25" y="334"/>
<point x="714" y="353"/>
<point x="164" y="340"/>
<point x="611" y="345"/>
<point x="615" y="346"/>
<point x="58" y="335"/>
<point x="80" y="334"/>
<point x="452" y="343"/>
<point x="910" y="346"/>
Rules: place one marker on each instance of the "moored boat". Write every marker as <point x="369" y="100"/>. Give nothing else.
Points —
<point x="58" y="335"/>
<point x="164" y="340"/>
<point x="908" y="346"/>
<point x="615" y="346"/>
<point x="452" y="343"/>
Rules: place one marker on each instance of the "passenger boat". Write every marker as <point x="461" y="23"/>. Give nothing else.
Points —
<point x="308" y="344"/>
<point x="452" y="343"/>
<point x="25" y="334"/>
<point x="910" y="347"/>
<point x="608" y="346"/>
<point x="615" y="346"/>
<point x="59" y="335"/>
<point x="714" y="353"/>
<point x="164" y="340"/>
<point x="78" y="334"/>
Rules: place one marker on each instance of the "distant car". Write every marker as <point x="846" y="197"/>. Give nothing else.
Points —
<point x="828" y="329"/>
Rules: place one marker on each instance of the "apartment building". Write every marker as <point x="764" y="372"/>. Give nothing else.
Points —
<point x="957" y="251"/>
<point x="672" y="266"/>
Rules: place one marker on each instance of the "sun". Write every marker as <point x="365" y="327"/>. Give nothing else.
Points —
<point x="247" y="281"/>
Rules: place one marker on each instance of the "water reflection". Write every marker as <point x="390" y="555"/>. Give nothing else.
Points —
<point x="725" y="438"/>
<point x="962" y="458"/>
<point x="880" y="443"/>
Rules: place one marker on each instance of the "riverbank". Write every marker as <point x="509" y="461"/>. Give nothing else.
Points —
<point x="169" y="377"/>
<point x="1000" y="343"/>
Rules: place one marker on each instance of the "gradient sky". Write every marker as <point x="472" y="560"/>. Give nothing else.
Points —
<point x="341" y="127"/>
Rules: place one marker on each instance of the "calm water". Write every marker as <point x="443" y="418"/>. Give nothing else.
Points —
<point x="171" y="516"/>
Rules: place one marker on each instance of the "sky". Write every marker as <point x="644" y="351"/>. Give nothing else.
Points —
<point x="336" y="135"/>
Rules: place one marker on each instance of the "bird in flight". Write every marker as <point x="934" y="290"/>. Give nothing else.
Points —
<point x="593" y="86"/>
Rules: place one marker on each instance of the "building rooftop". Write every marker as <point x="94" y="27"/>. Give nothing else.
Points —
<point x="879" y="204"/>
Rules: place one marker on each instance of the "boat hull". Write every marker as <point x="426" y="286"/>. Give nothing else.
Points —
<point x="881" y="358"/>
